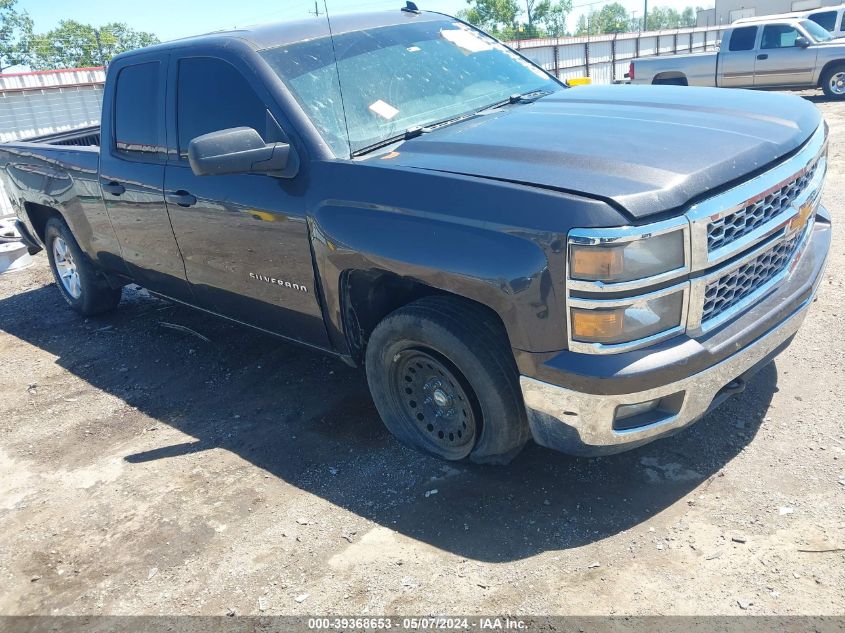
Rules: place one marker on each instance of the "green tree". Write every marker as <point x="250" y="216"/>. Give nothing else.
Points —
<point x="668" y="18"/>
<point x="535" y="11"/>
<point x="553" y="20"/>
<point x="498" y="17"/>
<point x="613" y="18"/>
<point x="15" y="34"/>
<point x="502" y="18"/>
<point x="73" y="44"/>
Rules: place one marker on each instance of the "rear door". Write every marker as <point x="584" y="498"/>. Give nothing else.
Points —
<point x="736" y="58"/>
<point x="780" y="62"/>
<point x="132" y="159"/>
<point x="244" y="237"/>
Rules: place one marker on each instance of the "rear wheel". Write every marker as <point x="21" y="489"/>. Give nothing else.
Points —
<point x="444" y="380"/>
<point x="833" y="82"/>
<point x="77" y="278"/>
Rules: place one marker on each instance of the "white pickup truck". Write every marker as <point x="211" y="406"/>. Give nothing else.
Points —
<point x="767" y="53"/>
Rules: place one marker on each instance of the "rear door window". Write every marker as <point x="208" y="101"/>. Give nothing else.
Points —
<point x="137" y="108"/>
<point x="825" y="19"/>
<point x="213" y="95"/>
<point x="742" y="39"/>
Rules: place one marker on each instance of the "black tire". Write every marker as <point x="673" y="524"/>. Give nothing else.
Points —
<point x="828" y="79"/>
<point x="95" y="295"/>
<point x="444" y="380"/>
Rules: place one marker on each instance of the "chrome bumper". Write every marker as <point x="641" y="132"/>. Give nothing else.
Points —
<point x="583" y="423"/>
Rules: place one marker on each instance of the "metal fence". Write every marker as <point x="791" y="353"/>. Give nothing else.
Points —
<point x="605" y="58"/>
<point x="45" y="102"/>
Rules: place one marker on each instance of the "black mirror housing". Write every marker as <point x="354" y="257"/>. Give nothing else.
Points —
<point x="802" y="41"/>
<point x="241" y="150"/>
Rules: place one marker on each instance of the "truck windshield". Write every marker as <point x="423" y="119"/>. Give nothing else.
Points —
<point x="399" y="77"/>
<point x="818" y="33"/>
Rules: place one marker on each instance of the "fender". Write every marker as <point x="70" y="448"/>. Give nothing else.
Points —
<point x="468" y="250"/>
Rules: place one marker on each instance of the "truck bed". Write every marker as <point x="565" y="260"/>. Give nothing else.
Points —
<point x="699" y="69"/>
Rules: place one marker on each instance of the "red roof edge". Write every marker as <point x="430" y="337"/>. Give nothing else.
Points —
<point x="44" y="72"/>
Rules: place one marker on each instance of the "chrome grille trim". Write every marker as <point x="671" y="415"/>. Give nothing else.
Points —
<point x="734" y="201"/>
<point x="785" y="250"/>
<point x="711" y="264"/>
<point x="728" y="229"/>
<point x="735" y="287"/>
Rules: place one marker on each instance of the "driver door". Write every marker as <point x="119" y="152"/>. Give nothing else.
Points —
<point x="780" y="61"/>
<point x="244" y="237"/>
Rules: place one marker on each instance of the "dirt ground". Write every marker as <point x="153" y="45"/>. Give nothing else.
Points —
<point x="145" y="471"/>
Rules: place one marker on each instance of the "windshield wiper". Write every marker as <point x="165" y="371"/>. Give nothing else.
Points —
<point x="412" y="132"/>
<point x="523" y="97"/>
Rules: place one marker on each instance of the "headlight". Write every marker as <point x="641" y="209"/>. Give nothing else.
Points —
<point x="612" y="274"/>
<point x="616" y="321"/>
<point x="641" y="258"/>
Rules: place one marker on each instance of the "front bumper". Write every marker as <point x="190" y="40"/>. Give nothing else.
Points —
<point x="581" y="421"/>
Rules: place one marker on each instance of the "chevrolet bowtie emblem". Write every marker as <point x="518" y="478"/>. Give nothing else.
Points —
<point x="800" y="220"/>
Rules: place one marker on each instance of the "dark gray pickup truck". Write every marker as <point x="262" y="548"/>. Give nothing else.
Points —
<point x="507" y="257"/>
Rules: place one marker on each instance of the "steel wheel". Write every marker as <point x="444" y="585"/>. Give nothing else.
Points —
<point x="837" y="83"/>
<point x="66" y="268"/>
<point x="431" y="393"/>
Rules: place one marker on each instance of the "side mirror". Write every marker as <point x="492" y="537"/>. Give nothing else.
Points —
<point x="241" y="150"/>
<point x="802" y="41"/>
<point x="718" y="44"/>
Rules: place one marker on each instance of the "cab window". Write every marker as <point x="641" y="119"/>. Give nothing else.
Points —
<point x="778" y="36"/>
<point x="742" y="39"/>
<point x="136" y="111"/>
<point x="825" y="19"/>
<point x="213" y="95"/>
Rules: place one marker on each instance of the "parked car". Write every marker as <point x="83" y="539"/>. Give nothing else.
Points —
<point x="831" y="19"/>
<point x="506" y="257"/>
<point x="767" y="53"/>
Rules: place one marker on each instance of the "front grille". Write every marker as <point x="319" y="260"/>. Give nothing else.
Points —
<point x="730" y="289"/>
<point x="735" y="225"/>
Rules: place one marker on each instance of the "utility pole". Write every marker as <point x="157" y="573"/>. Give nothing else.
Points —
<point x="316" y="10"/>
<point x="645" y="15"/>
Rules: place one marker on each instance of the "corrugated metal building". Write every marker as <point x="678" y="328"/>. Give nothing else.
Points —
<point x="44" y="102"/>
<point x="726" y="11"/>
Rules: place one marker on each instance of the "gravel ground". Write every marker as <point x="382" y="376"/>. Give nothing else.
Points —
<point x="145" y="471"/>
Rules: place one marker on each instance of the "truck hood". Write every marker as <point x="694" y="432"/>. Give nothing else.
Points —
<point x="648" y="149"/>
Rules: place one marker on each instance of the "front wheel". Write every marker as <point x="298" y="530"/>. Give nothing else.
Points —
<point x="77" y="278"/>
<point x="444" y="380"/>
<point x="833" y="82"/>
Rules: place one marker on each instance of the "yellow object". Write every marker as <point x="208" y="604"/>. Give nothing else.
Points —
<point x="804" y="214"/>
<point x="597" y="325"/>
<point x="579" y="81"/>
<point x="596" y="262"/>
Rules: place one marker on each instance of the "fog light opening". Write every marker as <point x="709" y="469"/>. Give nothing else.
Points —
<point x="632" y="416"/>
<point x="630" y="410"/>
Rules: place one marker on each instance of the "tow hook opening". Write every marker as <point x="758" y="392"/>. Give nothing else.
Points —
<point x="737" y="385"/>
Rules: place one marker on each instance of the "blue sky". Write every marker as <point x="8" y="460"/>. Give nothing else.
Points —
<point x="170" y="19"/>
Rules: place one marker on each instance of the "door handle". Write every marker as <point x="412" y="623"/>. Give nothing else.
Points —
<point x="114" y="188"/>
<point x="763" y="56"/>
<point x="180" y="197"/>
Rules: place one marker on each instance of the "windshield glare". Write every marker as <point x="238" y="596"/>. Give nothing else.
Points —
<point x="399" y="77"/>
<point x="818" y="33"/>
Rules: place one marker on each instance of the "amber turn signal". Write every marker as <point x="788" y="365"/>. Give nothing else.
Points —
<point x="597" y="325"/>
<point x="597" y="263"/>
